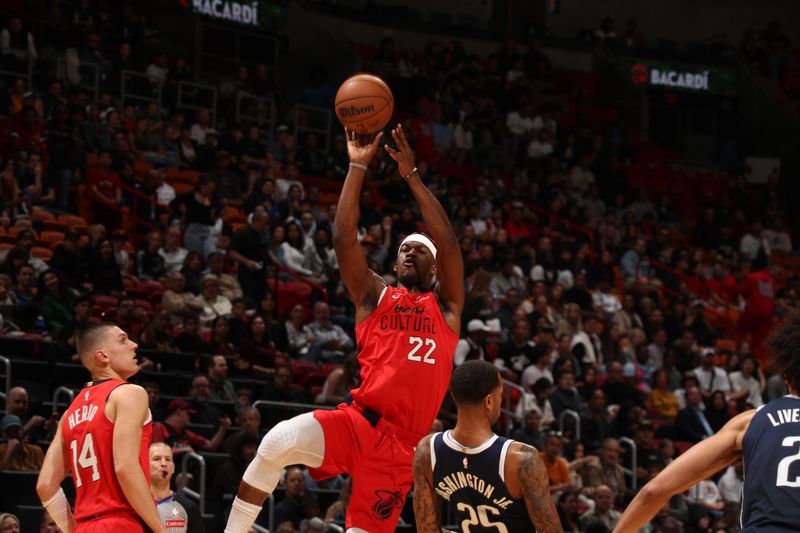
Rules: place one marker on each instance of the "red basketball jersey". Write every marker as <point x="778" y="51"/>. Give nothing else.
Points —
<point x="88" y="437"/>
<point x="405" y="349"/>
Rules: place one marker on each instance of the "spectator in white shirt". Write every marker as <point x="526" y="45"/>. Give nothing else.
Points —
<point x="519" y="124"/>
<point x="157" y="70"/>
<point x="746" y="383"/>
<point x="706" y="495"/>
<point x="752" y="241"/>
<point x="731" y="482"/>
<point x="334" y="343"/>
<point x="471" y="347"/>
<point x="541" y="145"/>
<point x="201" y="127"/>
<point x="172" y="251"/>
<point x="710" y="377"/>
<point x="580" y="177"/>
<point x="214" y="304"/>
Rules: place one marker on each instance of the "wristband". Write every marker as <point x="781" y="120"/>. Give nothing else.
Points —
<point x="410" y="173"/>
<point x="358" y="165"/>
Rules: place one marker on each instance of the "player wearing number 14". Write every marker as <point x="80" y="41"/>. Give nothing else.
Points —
<point x="103" y="440"/>
<point x="767" y="439"/>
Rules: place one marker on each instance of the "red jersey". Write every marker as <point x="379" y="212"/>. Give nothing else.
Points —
<point x="405" y="349"/>
<point x="88" y="437"/>
<point x="759" y="291"/>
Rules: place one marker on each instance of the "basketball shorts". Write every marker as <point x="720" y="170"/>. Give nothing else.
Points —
<point x="110" y="524"/>
<point x="378" y="458"/>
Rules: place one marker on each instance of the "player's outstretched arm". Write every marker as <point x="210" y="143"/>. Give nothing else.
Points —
<point x="363" y="285"/>
<point x="696" y="464"/>
<point x="449" y="260"/>
<point x="532" y="477"/>
<point x="426" y="504"/>
<point x="48" y="486"/>
<point x="130" y="406"/>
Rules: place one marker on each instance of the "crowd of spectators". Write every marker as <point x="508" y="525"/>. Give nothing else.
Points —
<point x="588" y="296"/>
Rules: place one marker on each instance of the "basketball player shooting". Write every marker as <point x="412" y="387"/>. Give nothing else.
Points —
<point x="489" y="483"/>
<point x="767" y="439"/>
<point x="103" y="439"/>
<point x="406" y="337"/>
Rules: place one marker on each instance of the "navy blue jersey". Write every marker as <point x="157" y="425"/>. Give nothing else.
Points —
<point x="472" y="482"/>
<point x="771" y="451"/>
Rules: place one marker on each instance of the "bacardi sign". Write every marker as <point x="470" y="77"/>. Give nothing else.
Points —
<point x="242" y="12"/>
<point x="684" y="77"/>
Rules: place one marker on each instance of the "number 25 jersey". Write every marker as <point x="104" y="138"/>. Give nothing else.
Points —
<point x="405" y="350"/>
<point x="88" y="437"/>
<point x="771" y="453"/>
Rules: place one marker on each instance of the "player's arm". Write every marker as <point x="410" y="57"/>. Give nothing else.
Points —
<point x="426" y="503"/>
<point x="449" y="260"/>
<point x="363" y="285"/>
<point x="526" y="475"/>
<point x="129" y="402"/>
<point x="697" y="463"/>
<point x="48" y="486"/>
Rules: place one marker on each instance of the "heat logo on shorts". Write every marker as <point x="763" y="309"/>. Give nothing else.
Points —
<point x="384" y="506"/>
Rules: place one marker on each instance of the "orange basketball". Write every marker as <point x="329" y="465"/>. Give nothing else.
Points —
<point x="364" y="103"/>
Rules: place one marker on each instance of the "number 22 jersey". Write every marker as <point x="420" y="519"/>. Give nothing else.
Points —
<point x="771" y="453"/>
<point x="405" y="350"/>
<point x="88" y="437"/>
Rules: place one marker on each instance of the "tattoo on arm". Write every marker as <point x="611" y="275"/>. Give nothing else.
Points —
<point x="536" y="491"/>
<point x="426" y="503"/>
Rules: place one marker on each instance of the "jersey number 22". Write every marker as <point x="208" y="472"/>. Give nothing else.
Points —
<point x="418" y="343"/>
<point x="85" y="459"/>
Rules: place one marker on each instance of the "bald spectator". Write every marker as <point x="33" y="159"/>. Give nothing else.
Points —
<point x="605" y="471"/>
<point x="35" y="427"/>
<point x="603" y="512"/>
<point x="172" y="251"/>
<point x="221" y="387"/>
<point x="177" y="301"/>
<point x="332" y="339"/>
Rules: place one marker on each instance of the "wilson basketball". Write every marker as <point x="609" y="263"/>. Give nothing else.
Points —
<point x="364" y="103"/>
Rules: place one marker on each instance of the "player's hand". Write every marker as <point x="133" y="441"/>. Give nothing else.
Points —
<point x="360" y="149"/>
<point x="403" y="154"/>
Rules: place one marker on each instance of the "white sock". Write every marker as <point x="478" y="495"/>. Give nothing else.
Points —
<point x="242" y="516"/>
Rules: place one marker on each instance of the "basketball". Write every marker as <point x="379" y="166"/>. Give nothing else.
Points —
<point x="364" y="103"/>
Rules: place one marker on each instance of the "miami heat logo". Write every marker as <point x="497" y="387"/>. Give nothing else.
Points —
<point x="385" y="504"/>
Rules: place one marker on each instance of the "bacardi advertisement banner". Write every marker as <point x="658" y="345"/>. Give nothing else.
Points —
<point x="255" y="14"/>
<point x="698" y="79"/>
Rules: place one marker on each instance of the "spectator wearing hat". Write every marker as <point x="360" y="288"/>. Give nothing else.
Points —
<point x="173" y="430"/>
<point x="471" y="346"/>
<point x="15" y="453"/>
<point x="710" y="377"/>
<point x="214" y="304"/>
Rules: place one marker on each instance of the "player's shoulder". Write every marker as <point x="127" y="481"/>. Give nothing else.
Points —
<point x="128" y="392"/>
<point x="423" y="449"/>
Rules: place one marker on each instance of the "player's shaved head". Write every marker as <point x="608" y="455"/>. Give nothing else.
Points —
<point x="472" y="381"/>
<point x="92" y="338"/>
<point x="785" y="349"/>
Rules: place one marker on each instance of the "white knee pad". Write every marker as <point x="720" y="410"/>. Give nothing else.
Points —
<point x="296" y="441"/>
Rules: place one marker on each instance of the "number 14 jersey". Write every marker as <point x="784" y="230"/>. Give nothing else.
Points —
<point x="405" y="350"/>
<point x="771" y="452"/>
<point x="88" y="437"/>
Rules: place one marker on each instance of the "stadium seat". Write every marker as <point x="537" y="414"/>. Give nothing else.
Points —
<point x="15" y="230"/>
<point x="73" y="221"/>
<point x="40" y="215"/>
<point x="42" y="253"/>
<point x="52" y="237"/>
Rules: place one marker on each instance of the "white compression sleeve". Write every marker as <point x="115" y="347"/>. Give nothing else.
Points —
<point x="296" y="441"/>
<point x="242" y="517"/>
<point x="58" y="509"/>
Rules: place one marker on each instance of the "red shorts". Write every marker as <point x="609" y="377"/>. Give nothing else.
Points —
<point x="110" y="524"/>
<point x="377" y="458"/>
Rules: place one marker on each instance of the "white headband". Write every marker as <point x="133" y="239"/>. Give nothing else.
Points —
<point x="422" y="239"/>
